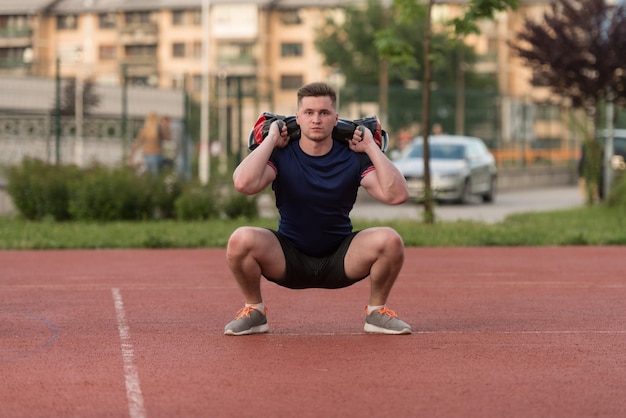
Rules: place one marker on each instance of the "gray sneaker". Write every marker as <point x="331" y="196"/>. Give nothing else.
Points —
<point x="385" y="321"/>
<point x="248" y="321"/>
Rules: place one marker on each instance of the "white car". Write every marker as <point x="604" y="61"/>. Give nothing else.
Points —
<point x="460" y="166"/>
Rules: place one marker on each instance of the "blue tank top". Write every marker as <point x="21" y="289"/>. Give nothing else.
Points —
<point x="315" y="194"/>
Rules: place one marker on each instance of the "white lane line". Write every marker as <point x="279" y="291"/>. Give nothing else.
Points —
<point x="133" y="390"/>
<point x="484" y="332"/>
<point x="554" y="332"/>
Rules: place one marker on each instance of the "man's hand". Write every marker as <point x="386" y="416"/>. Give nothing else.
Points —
<point x="278" y="133"/>
<point x="361" y="139"/>
<point x="261" y="130"/>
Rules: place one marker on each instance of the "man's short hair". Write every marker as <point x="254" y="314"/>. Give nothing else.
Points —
<point x="317" y="89"/>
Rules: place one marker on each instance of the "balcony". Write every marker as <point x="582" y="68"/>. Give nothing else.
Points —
<point x="15" y="37"/>
<point x="140" y="60"/>
<point x="12" y="63"/>
<point x="243" y="64"/>
<point x="139" y="34"/>
<point x="24" y="32"/>
<point x="140" y="65"/>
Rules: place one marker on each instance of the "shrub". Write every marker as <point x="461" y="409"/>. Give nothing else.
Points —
<point x="240" y="206"/>
<point x="101" y="194"/>
<point x="196" y="202"/>
<point x="617" y="196"/>
<point x="105" y="194"/>
<point x="40" y="190"/>
<point x="165" y="191"/>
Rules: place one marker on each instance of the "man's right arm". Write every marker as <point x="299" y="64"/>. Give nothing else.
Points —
<point x="253" y="174"/>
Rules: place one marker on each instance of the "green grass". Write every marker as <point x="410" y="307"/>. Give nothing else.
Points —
<point x="597" y="225"/>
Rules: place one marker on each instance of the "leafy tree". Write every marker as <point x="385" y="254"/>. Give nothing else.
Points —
<point x="354" y="46"/>
<point x="577" y="50"/>
<point x="402" y="37"/>
<point x="410" y="11"/>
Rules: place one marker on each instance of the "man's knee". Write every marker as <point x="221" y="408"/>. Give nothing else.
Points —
<point x="241" y="240"/>
<point x="383" y="243"/>
<point x="391" y="239"/>
<point x="392" y="246"/>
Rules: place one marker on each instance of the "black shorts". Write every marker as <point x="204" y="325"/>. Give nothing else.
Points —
<point x="305" y="272"/>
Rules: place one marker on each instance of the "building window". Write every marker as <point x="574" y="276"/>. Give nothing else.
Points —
<point x="233" y="52"/>
<point x="291" y="82"/>
<point x="290" y="17"/>
<point x="197" y="50"/>
<point x="140" y="50"/>
<point x="178" y="50"/>
<point x="11" y="57"/>
<point x="9" y="24"/>
<point x="196" y="83"/>
<point x="241" y="85"/>
<point x="178" y="17"/>
<point x="136" y="17"/>
<point x="291" y="50"/>
<point x="196" y="17"/>
<point x="65" y="22"/>
<point x="107" y="21"/>
<point x="107" y="52"/>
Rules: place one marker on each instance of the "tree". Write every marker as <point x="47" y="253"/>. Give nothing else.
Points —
<point x="577" y="50"/>
<point x="354" y="46"/>
<point x="410" y="11"/>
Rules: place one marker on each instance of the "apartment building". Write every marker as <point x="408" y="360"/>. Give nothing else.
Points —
<point x="259" y="50"/>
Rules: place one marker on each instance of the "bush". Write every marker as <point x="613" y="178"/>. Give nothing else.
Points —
<point x="165" y="191"/>
<point x="196" y="203"/>
<point x="617" y="196"/>
<point x="240" y="206"/>
<point x="40" y="190"/>
<point x="106" y="194"/>
<point x="99" y="193"/>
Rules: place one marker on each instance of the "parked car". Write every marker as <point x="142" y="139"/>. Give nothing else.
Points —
<point x="460" y="166"/>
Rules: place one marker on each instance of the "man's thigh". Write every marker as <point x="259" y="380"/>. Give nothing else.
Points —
<point x="368" y="246"/>
<point x="263" y="246"/>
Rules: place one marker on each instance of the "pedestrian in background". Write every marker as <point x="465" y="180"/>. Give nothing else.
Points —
<point x="590" y="170"/>
<point x="150" y="140"/>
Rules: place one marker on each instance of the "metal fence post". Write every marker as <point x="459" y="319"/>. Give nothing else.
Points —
<point x="57" y="110"/>
<point x="124" y="127"/>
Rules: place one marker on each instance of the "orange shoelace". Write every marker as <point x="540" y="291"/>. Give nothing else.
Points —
<point x="384" y="311"/>
<point x="245" y="311"/>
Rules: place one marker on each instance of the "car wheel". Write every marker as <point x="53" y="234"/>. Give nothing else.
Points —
<point x="490" y="196"/>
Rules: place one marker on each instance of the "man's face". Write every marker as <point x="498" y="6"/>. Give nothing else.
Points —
<point x="316" y="117"/>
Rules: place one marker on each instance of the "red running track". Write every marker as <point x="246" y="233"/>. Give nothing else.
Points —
<point x="501" y="332"/>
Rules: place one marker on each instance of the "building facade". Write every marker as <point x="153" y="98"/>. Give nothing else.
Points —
<point x="259" y="51"/>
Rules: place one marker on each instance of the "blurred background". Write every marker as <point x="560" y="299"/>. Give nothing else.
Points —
<point x="78" y="77"/>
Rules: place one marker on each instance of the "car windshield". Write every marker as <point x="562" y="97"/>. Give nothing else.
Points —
<point x="439" y="151"/>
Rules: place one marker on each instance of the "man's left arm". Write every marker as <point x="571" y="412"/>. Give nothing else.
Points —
<point x="385" y="183"/>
